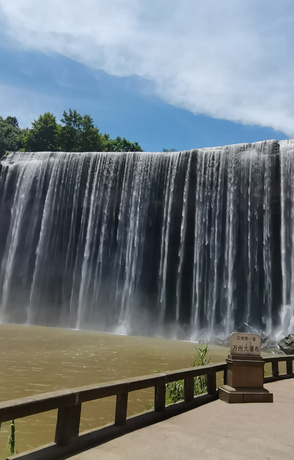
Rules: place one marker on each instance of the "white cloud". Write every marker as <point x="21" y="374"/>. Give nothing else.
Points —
<point x="229" y="59"/>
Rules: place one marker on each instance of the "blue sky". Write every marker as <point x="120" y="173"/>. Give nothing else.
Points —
<point x="168" y="73"/>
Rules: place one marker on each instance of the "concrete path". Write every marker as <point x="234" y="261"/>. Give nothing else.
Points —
<point x="214" y="431"/>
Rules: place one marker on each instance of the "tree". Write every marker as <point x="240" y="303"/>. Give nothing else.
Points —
<point x="122" y="145"/>
<point x="79" y="134"/>
<point x="76" y="133"/>
<point x="44" y="134"/>
<point x="69" y="131"/>
<point x="90" y="138"/>
<point x="11" y="136"/>
<point x="12" y="121"/>
<point x="2" y="139"/>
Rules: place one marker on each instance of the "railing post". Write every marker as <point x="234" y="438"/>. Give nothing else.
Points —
<point x="289" y="367"/>
<point x="275" y="368"/>
<point x="121" y="408"/>
<point x="189" y="389"/>
<point x="225" y="376"/>
<point x="211" y="383"/>
<point x="68" y="423"/>
<point x="159" y="397"/>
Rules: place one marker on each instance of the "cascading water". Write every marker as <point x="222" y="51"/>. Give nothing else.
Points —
<point x="287" y="235"/>
<point x="185" y="244"/>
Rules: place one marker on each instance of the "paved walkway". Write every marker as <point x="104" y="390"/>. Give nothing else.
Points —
<point x="214" y="431"/>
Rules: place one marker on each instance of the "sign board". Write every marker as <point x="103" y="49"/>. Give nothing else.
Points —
<point x="243" y="343"/>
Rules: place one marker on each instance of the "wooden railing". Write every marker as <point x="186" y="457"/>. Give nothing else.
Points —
<point x="285" y="371"/>
<point x="68" y="439"/>
<point x="68" y="403"/>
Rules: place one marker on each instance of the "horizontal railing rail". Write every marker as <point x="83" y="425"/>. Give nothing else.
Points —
<point x="285" y="372"/>
<point x="68" y="439"/>
<point x="68" y="403"/>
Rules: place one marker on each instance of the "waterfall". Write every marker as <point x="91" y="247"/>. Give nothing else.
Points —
<point x="184" y="244"/>
<point x="287" y="234"/>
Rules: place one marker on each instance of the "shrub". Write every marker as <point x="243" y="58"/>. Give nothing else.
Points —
<point x="11" y="438"/>
<point x="175" y="390"/>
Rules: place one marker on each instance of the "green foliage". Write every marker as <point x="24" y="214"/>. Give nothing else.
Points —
<point x="90" y="138"/>
<point x="44" y="134"/>
<point x="200" y="385"/>
<point x="121" y="145"/>
<point x="76" y="133"/>
<point x="2" y="142"/>
<point x="11" y="136"/>
<point x="11" y="439"/>
<point x="69" y="131"/>
<point x="175" y="390"/>
<point x="201" y="358"/>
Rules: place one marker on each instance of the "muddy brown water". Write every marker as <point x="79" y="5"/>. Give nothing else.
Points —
<point x="36" y="360"/>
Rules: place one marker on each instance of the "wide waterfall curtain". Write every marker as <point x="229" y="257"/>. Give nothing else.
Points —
<point x="185" y="244"/>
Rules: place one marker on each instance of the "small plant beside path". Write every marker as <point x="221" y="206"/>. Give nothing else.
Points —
<point x="11" y="439"/>
<point x="175" y="390"/>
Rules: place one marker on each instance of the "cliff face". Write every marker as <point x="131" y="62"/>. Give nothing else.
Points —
<point x="189" y="244"/>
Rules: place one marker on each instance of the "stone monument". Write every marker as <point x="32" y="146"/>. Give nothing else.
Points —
<point x="245" y="371"/>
